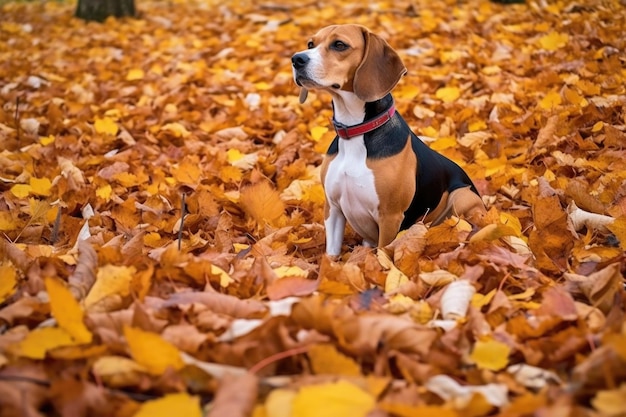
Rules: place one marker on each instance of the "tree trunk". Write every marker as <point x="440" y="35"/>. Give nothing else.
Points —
<point x="99" y="10"/>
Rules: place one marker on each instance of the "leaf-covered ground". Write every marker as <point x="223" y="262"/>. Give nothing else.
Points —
<point x="160" y="209"/>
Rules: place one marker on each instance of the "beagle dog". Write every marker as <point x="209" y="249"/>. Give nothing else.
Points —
<point x="377" y="174"/>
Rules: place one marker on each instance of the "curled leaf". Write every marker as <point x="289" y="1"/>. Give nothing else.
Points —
<point x="456" y="299"/>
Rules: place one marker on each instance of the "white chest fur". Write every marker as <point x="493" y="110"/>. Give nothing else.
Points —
<point x="350" y="188"/>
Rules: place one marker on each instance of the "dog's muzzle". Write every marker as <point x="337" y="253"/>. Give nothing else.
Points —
<point x="299" y="62"/>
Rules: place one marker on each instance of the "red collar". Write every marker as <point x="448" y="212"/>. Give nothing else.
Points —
<point x="347" y="132"/>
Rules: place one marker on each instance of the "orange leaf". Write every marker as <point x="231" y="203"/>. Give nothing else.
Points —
<point x="262" y="203"/>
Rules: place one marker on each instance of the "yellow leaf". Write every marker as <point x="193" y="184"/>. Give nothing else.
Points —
<point x="611" y="402"/>
<point x="110" y="280"/>
<point x="39" y="341"/>
<point x="430" y="131"/>
<point x="395" y="278"/>
<point x="151" y="351"/>
<point x="317" y="132"/>
<point x="400" y="303"/>
<point x="262" y="203"/>
<point x="290" y="271"/>
<point x="115" y="365"/>
<point x="179" y="404"/>
<point x="66" y="310"/>
<point x="550" y="100"/>
<point x="553" y="41"/>
<point x="6" y="221"/>
<point x="335" y="399"/>
<point x="233" y="155"/>
<point x="597" y="126"/>
<point x="126" y="179"/>
<point x="407" y="91"/>
<point x="493" y="232"/>
<point x="38" y="209"/>
<point x="104" y="192"/>
<point x="225" y="279"/>
<point x="21" y="190"/>
<point x="8" y="282"/>
<point x="106" y="126"/>
<point x="325" y="359"/>
<point x="490" y="354"/>
<point x="443" y="143"/>
<point x="477" y="126"/>
<point x="135" y="74"/>
<point x="481" y="300"/>
<point x="47" y="140"/>
<point x="448" y="94"/>
<point x="177" y="129"/>
<point x="278" y="403"/>
<point x="262" y="86"/>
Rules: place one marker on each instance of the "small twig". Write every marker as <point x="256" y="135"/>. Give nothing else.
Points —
<point x="183" y="212"/>
<point x="17" y="119"/>
<point x="276" y="357"/>
<point x="56" y="227"/>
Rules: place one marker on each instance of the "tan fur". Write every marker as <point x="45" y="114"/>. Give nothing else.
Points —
<point x="395" y="188"/>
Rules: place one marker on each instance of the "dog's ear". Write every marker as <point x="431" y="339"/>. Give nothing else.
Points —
<point x="379" y="71"/>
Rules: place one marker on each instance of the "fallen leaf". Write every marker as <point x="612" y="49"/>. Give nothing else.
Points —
<point x="325" y="359"/>
<point x="490" y="354"/>
<point x="335" y="399"/>
<point x="171" y="404"/>
<point x="151" y="351"/>
<point x="39" y="341"/>
<point x="67" y="311"/>
<point x="235" y="396"/>
<point x="610" y="402"/>
<point x="8" y="283"/>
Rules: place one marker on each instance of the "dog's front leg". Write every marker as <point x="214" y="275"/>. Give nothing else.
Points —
<point x="335" y="224"/>
<point x="388" y="228"/>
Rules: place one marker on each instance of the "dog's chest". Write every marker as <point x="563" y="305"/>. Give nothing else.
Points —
<point x="350" y="186"/>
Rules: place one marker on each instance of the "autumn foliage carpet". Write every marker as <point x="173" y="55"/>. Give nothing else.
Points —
<point x="161" y="216"/>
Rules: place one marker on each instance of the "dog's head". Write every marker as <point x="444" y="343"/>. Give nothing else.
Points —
<point x="348" y="58"/>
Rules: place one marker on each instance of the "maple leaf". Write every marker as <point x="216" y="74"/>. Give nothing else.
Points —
<point x="262" y="202"/>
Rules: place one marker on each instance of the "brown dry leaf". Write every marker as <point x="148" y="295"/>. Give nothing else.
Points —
<point x="220" y="303"/>
<point x="600" y="287"/>
<point x="84" y="275"/>
<point x="235" y="396"/>
<point x="551" y="239"/>
<point x="291" y="286"/>
<point x="545" y="137"/>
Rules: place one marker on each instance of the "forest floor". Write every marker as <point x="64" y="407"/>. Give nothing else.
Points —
<point x="161" y="216"/>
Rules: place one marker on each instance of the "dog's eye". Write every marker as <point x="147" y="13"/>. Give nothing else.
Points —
<point x="339" y="46"/>
<point x="310" y="45"/>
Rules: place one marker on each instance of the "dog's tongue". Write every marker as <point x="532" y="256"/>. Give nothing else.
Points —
<point x="303" y="94"/>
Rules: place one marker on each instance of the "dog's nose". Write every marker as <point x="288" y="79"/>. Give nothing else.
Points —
<point x="299" y="60"/>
